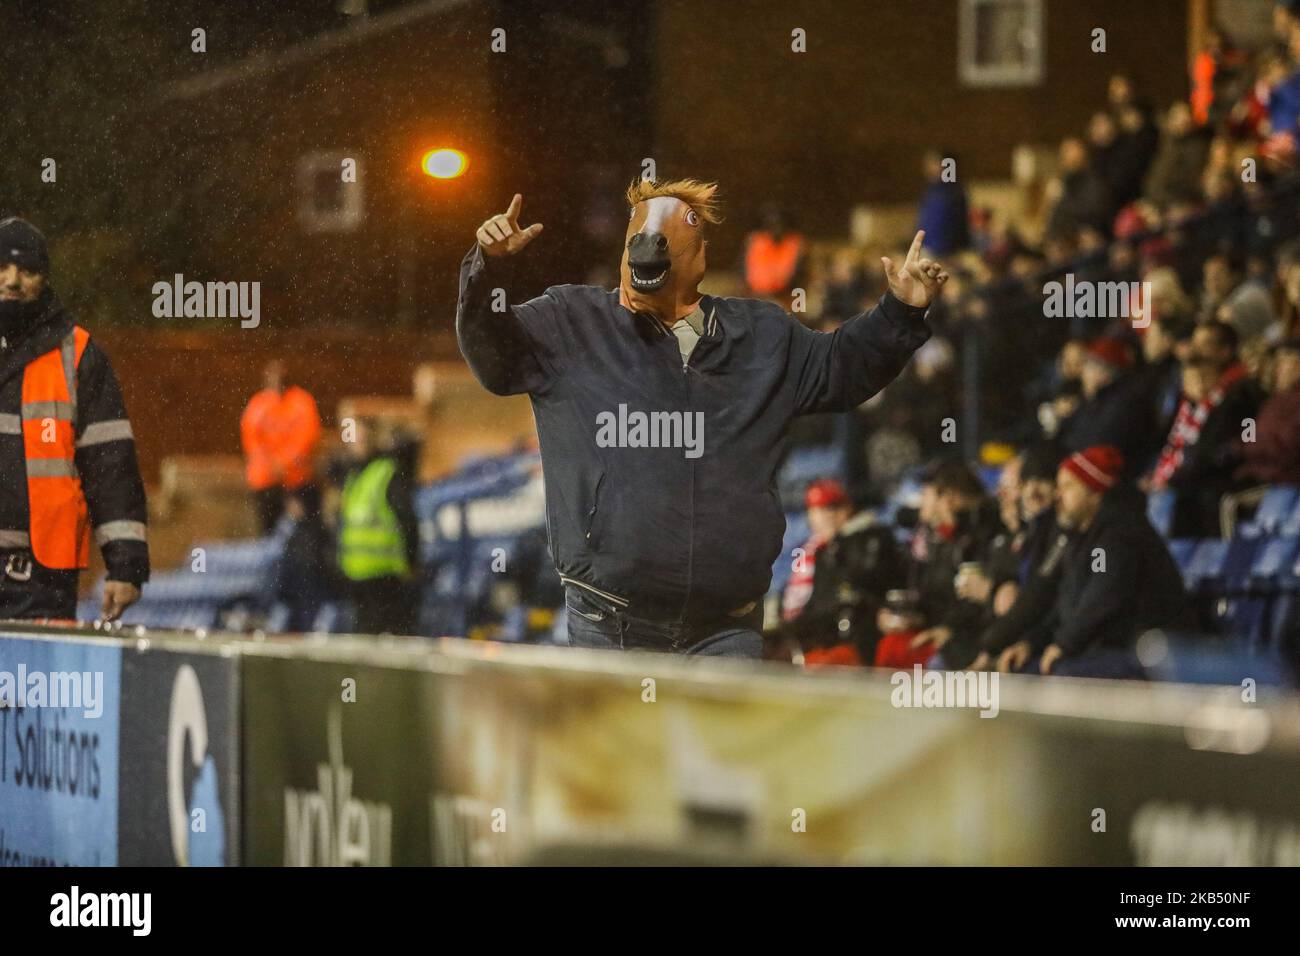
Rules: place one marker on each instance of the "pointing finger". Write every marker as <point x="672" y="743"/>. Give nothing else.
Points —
<point x="515" y="204"/>
<point x="914" y="253"/>
<point x="889" y="265"/>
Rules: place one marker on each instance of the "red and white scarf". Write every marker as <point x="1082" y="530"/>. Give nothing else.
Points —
<point x="1188" y="423"/>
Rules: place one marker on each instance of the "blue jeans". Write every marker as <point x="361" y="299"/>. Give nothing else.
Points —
<point x="597" y="623"/>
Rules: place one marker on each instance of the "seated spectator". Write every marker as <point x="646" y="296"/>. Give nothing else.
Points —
<point x="839" y="583"/>
<point x="1024" y="495"/>
<point x="1203" y="448"/>
<point x="1114" y="410"/>
<point x="1228" y="296"/>
<point x="1288" y="280"/>
<point x="959" y="523"/>
<point x="1162" y="375"/>
<point x="1274" y="455"/>
<point x="1060" y="408"/>
<point x="1025" y="599"/>
<point x="1117" y="578"/>
<point x="900" y="621"/>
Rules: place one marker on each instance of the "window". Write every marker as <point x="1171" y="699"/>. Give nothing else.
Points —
<point x="326" y="201"/>
<point x="1000" y="42"/>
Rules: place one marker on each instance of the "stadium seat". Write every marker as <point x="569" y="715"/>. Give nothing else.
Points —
<point x="1276" y="507"/>
<point x="1160" y="511"/>
<point x="1203" y="571"/>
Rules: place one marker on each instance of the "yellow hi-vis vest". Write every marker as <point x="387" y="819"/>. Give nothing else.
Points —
<point x="370" y="538"/>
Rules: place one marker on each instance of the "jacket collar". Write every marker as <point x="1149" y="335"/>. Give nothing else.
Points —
<point x="709" y="328"/>
<point x="44" y="334"/>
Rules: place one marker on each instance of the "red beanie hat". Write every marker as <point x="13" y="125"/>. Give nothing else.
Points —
<point x="1110" y="351"/>
<point x="1098" y="467"/>
<point x="825" y="493"/>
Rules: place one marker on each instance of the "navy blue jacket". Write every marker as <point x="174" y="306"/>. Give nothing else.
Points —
<point x="673" y="537"/>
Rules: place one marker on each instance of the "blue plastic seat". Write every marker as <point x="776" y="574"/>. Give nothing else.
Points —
<point x="1204" y="570"/>
<point x="1182" y="550"/>
<point x="1276" y="507"/>
<point x="1160" y="510"/>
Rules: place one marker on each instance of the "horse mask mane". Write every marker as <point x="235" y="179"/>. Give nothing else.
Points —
<point x="663" y="255"/>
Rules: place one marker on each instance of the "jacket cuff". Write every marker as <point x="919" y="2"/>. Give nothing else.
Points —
<point x="126" y="561"/>
<point x="896" y="310"/>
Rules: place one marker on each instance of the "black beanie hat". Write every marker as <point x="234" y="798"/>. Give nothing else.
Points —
<point x="24" y="244"/>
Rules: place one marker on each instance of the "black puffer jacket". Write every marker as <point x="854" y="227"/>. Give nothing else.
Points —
<point x="672" y="535"/>
<point x="1117" y="579"/>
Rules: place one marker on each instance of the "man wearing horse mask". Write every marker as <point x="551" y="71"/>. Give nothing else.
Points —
<point x="662" y="413"/>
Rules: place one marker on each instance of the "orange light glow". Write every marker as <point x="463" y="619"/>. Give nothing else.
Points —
<point x="444" y="163"/>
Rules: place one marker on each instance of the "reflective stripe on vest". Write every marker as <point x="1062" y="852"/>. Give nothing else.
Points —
<point x="370" y="538"/>
<point x="60" y="520"/>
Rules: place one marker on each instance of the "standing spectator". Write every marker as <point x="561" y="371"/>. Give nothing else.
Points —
<point x="1082" y="197"/>
<point x="943" y="213"/>
<point x="1113" y="411"/>
<point x="1175" y="173"/>
<point x="280" y="430"/>
<point x="306" y="575"/>
<point x="840" y="582"/>
<point x="378" y="535"/>
<point x="1201" y="452"/>
<point x="67" y="453"/>
<point x="773" y="255"/>
<point x="1117" y="578"/>
<point x="1216" y="78"/>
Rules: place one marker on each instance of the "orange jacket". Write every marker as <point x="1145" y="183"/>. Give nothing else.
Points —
<point x="770" y="264"/>
<point x="280" y="432"/>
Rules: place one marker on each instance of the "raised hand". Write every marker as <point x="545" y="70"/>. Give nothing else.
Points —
<point x="918" y="280"/>
<point x="501" y="235"/>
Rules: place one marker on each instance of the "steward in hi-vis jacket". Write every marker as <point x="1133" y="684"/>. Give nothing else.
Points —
<point x="68" y="469"/>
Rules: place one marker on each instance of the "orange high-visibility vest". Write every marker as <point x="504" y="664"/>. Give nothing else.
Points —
<point x="769" y="264"/>
<point x="60" y="519"/>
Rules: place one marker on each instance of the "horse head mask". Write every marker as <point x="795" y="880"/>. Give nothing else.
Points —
<point x="663" y="257"/>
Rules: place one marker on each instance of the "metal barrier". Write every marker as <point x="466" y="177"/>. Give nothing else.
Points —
<point x="404" y="751"/>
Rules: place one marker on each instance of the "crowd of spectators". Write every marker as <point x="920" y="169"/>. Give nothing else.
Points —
<point x="1189" y="390"/>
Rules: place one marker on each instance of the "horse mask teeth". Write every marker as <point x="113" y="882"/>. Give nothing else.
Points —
<point x="663" y="259"/>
